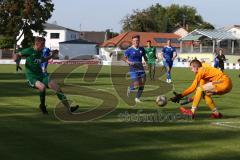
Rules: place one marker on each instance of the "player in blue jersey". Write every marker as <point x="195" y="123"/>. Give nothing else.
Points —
<point x="45" y="53"/>
<point x="133" y="56"/>
<point x="168" y="55"/>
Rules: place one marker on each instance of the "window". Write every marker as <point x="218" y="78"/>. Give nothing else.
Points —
<point x="73" y="36"/>
<point x="164" y="40"/>
<point x="54" y="35"/>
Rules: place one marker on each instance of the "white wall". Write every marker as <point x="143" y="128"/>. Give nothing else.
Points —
<point x="64" y="35"/>
<point x="74" y="50"/>
<point x="236" y="31"/>
<point x="71" y="35"/>
<point x="54" y="43"/>
<point x="105" y="53"/>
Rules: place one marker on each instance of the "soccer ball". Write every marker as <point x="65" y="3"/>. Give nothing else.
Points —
<point x="161" y="100"/>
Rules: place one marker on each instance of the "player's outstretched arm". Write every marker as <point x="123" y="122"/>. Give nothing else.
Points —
<point x="160" y="55"/>
<point x="155" y="54"/>
<point x="177" y="97"/>
<point x="52" y="55"/>
<point x="145" y="58"/>
<point x="125" y="59"/>
<point x="174" y="55"/>
<point x="16" y="56"/>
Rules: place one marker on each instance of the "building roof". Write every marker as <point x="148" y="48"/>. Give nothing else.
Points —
<point x="227" y="28"/>
<point x="182" y="32"/>
<point x="192" y="38"/>
<point x="93" y="36"/>
<point x="216" y="34"/>
<point x="50" y="26"/>
<point x="77" y="41"/>
<point x="157" y="39"/>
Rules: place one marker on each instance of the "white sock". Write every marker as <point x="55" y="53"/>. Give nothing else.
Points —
<point x="215" y="110"/>
<point x="193" y="109"/>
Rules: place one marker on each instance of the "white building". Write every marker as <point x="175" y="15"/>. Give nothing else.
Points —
<point x="77" y="49"/>
<point x="235" y="29"/>
<point x="56" y="34"/>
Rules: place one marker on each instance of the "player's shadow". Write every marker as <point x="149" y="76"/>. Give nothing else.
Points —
<point x="12" y="76"/>
<point x="16" y="89"/>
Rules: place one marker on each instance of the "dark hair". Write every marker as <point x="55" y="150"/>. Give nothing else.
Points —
<point x="196" y="62"/>
<point x="39" y="39"/>
<point x="136" y="36"/>
<point x="149" y="41"/>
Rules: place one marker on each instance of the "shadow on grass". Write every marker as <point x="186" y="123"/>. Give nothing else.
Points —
<point x="16" y="89"/>
<point x="42" y="137"/>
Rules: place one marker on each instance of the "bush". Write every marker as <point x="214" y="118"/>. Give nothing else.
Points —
<point x="6" y="43"/>
<point x="120" y="55"/>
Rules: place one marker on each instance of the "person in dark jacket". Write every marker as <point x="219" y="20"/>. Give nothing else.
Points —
<point x="221" y="59"/>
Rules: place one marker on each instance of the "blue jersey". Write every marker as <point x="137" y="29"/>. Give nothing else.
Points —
<point x="216" y="61"/>
<point x="45" y="54"/>
<point x="135" y="55"/>
<point x="168" y="53"/>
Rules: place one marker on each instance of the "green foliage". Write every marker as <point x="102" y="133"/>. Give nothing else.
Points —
<point x="24" y="15"/>
<point x="111" y="34"/>
<point x="6" y="42"/>
<point x="28" y="40"/>
<point x="164" y="19"/>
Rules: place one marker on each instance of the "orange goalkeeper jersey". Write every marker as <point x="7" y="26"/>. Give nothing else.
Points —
<point x="207" y="74"/>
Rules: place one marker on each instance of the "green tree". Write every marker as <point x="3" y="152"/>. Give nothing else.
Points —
<point x="25" y="16"/>
<point x="6" y="42"/>
<point x="164" y="19"/>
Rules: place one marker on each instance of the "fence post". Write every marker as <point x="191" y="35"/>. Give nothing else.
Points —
<point x="213" y="46"/>
<point x="232" y="46"/>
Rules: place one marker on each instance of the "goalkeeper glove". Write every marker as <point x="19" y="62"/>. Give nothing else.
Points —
<point x="176" y="98"/>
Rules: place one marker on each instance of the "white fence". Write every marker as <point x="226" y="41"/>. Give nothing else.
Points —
<point x="175" y="64"/>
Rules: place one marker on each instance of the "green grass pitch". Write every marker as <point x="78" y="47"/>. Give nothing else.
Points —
<point x="27" y="134"/>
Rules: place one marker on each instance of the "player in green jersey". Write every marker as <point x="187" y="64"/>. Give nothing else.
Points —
<point x="151" y="56"/>
<point x="36" y="78"/>
<point x="18" y="60"/>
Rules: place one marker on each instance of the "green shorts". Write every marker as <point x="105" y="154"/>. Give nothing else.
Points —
<point x="33" y="78"/>
<point x="151" y="62"/>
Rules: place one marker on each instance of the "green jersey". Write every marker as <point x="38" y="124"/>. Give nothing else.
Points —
<point x="33" y="61"/>
<point x="151" y="54"/>
<point x="19" y="58"/>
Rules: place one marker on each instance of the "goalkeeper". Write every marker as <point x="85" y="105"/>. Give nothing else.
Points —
<point x="208" y="81"/>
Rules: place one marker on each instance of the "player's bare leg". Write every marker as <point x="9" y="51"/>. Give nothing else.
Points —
<point x="133" y="86"/>
<point x="209" y="101"/>
<point x="206" y="91"/>
<point x="42" y="93"/>
<point x="154" y="68"/>
<point x="141" y="82"/>
<point x="55" y="87"/>
<point x="168" y="74"/>
<point x="150" y="71"/>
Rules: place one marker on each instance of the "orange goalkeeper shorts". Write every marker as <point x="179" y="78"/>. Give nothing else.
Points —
<point x="223" y="86"/>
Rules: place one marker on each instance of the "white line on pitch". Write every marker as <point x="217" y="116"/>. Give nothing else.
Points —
<point x="226" y="125"/>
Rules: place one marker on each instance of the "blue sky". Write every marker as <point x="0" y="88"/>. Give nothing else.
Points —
<point x="99" y="15"/>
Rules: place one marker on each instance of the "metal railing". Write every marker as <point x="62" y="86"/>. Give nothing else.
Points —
<point x="6" y="53"/>
<point x="209" y="49"/>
